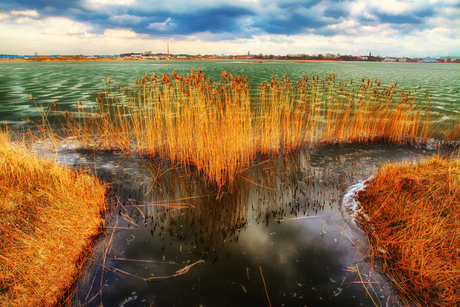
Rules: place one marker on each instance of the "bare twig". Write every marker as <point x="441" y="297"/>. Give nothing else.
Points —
<point x="265" y="286"/>
<point x="301" y="218"/>
<point x="178" y="273"/>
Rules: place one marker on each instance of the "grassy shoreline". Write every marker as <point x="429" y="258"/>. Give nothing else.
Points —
<point x="49" y="217"/>
<point x="411" y="214"/>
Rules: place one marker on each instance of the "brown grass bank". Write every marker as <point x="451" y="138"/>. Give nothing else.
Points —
<point x="411" y="213"/>
<point x="49" y="215"/>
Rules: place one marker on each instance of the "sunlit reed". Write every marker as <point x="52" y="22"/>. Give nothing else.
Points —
<point x="222" y="128"/>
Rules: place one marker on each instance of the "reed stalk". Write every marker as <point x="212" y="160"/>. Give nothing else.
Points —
<point x="222" y="128"/>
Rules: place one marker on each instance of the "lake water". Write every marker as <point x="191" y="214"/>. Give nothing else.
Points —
<point x="285" y="232"/>
<point x="67" y="82"/>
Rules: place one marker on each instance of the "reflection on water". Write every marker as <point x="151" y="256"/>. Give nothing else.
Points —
<point x="284" y="217"/>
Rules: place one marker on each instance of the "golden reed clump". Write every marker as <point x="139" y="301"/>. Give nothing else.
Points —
<point x="223" y="128"/>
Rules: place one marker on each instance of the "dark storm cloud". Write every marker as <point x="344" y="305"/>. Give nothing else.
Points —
<point x="41" y="6"/>
<point x="292" y="23"/>
<point x="336" y="13"/>
<point x="298" y="4"/>
<point x="236" y="20"/>
<point x="215" y="20"/>
<point x="297" y="17"/>
<point x="399" y="19"/>
<point x="407" y="18"/>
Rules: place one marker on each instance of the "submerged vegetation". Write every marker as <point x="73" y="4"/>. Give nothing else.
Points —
<point x="223" y="128"/>
<point x="49" y="215"/>
<point x="412" y="218"/>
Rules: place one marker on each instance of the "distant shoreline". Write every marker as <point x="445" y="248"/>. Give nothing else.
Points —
<point x="50" y="59"/>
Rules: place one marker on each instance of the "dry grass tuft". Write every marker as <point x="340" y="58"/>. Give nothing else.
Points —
<point x="412" y="218"/>
<point x="49" y="216"/>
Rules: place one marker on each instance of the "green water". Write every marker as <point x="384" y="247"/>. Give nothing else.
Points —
<point x="68" y="82"/>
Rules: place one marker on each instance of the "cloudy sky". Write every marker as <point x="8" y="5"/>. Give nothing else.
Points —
<point x="413" y="28"/>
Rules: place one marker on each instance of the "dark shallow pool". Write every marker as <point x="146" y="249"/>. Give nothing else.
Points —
<point x="285" y="233"/>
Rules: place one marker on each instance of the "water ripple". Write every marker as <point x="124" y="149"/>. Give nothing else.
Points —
<point x="68" y="82"/>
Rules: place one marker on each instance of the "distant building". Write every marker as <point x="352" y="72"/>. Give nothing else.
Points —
<point x="297" y="56"/>
<point x="388" y="59"/>
<point x="450" y="59"/>
<point x="71" y="57"/>
<point x="243" y="57"/>
<point x="428" y="60"/>
<point x="9" y="56"/>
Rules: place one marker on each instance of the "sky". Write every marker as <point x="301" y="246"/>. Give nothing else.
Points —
<point x="396" y="28"/>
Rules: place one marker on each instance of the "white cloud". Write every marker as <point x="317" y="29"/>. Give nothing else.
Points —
<point x="102" y="3"/>
<point x="358" y="9"/>
<point x="162" y="26"/>
<point x="30" y="13"/>
<point x="339" y="39"/>
<point x="87" y="35"/>
<point x="390" y="6"/>
<point x="64" y="26"/>
<point x="55" y="25"/>
<point x="119" y="33"/>
<point x="371" y="41"/>
<point x="24" y="20"/>
<point x="107" y="5"/>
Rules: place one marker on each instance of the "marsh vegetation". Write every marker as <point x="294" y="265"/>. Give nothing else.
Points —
<point x="49" y="216"/>
<point x="199" y="141"/>
<point x="223" y="128"/>
<point x="411" y="213"/>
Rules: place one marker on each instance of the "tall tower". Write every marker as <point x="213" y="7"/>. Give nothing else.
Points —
<point x="168" y="48"/>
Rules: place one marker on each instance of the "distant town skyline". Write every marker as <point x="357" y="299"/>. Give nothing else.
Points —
<point x="149" y="55"/>
<point x="389" y="28"/>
